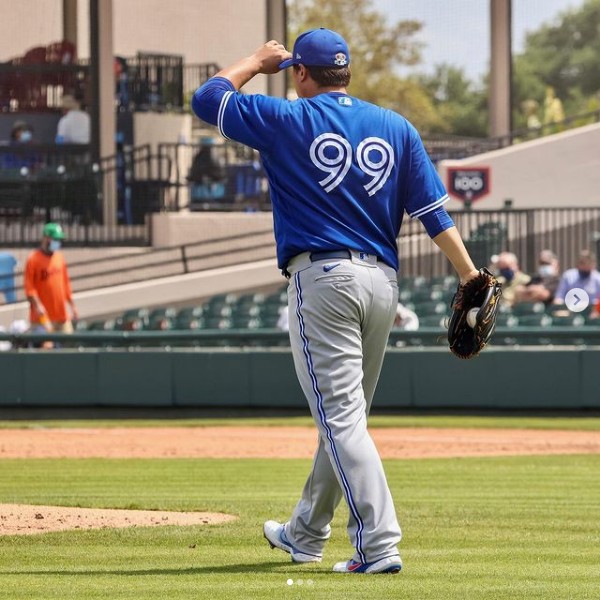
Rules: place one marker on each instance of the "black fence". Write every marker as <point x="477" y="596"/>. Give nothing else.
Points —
<point x="145" y="82"/>
<point x="40" y="183"/>
<point x="525" y="232"/>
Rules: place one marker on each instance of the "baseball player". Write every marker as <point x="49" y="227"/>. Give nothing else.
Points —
<point x="342" y="172"/>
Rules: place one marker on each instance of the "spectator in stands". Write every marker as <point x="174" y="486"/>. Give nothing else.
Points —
<point x="510" y="276"/>
<point x="207" y="173"/>
<point x="47" y="284"/>
<point x="405" y="319"/>
<point x="21" y="133"/>
<point x="74" y="127"/>
<point x="543" y="284"/>
<point x="584" y="276"/>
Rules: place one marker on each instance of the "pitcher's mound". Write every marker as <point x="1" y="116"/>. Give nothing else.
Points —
<point x="27" y="519"/>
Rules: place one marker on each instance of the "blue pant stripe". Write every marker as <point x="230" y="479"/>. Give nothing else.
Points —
<point x="319" y="397"/>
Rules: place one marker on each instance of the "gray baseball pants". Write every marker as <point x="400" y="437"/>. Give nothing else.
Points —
<point x="340" y="313"/>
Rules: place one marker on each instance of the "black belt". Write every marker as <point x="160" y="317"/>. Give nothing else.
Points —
<point x="329" y="255"/>
<point x="325" y="255"/>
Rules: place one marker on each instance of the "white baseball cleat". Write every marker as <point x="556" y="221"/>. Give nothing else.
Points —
<point x="274" y="533"/>
<point x="390" y="564"/>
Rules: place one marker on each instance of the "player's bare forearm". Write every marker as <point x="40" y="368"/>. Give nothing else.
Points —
<point x="451" y="244"/>
<point x="265" y="60"/>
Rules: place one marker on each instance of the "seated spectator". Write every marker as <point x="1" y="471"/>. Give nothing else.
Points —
<point x="510" y="276"/>
<point x="543" y="284"/>
<point x="405" y="319"/>
<point x="21" y="136"/>
<point x="584" y="276"/>
<point x="207" y="173"/>
<point x="21" y="133"/>
<point x="74" y="127"/>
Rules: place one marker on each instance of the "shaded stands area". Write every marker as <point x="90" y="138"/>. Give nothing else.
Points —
<point x="36" y="81"/>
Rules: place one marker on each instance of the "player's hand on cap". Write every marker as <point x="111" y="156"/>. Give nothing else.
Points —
<point x="269" y="56"/>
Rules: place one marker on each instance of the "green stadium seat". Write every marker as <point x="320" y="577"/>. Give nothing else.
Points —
<point x="433" y="321"/>
<point x="219" y="310"/>
<point x="161" y="323"/>
<point x="191" y="311"/>
<point x="536" y="320"/>
<point x="163" y="311"/>
<point x="102" y="325"/>
<point x="529" y="308"/>
<point x="507" y="320"/>
<point x="246" y="323"/>
<point x="572" y="320"/>
<point x="133" y="315"/>
<point x="218" y="322"/>
<point x="411" y="283"/>
<point x="425" y="295"/>
<point x="80" y="325"/>
<point x="247" y="310"/>
<point x="432" y="307"/>
<point x="189" y="321"/>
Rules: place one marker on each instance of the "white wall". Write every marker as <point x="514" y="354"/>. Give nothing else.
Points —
<point x="557" y="170"/>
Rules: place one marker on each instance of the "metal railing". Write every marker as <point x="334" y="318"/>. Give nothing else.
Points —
<point x="525" y="232"/>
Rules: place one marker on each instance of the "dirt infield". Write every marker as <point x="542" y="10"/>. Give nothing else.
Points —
<point x="283" y="442"/>
<point x="242" y="442"/>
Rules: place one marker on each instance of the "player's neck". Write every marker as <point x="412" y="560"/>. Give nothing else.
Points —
<point x="316" y="91"/>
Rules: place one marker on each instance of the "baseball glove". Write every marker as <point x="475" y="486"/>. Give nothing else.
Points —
<point x="482" y="293"/>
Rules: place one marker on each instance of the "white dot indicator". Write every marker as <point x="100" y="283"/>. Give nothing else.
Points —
<point x="577" y="300"/>
<point x="290" y="582"/>
<point x="300" y="581"/>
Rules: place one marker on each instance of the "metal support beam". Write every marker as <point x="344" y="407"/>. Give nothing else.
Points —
<point x="277" y="30"/>
<point x="69" y="14"/>
<point x="500" y="100"/>
<point x="103" y="92"/>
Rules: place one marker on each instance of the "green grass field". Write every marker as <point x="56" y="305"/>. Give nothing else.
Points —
<point x="494" y="528"/>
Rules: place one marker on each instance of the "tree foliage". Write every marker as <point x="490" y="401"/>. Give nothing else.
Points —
<point x="563" y="54"/>
<point x="377" y="49"/>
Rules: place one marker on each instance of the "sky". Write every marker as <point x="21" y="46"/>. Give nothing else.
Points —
<point x="457" y="31"/>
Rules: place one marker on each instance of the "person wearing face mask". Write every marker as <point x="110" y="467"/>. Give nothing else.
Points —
<point x="510" y="276"/>
<point x="544" y="282"/>
<point x="584" y="276"/>
<point x="47" y="284"/>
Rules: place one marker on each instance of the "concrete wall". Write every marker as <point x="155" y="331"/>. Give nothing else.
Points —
<point x="178" y="289"/>
<point x="170" y="229"/>
<point x="557" y="170"/>
<point x="266" y="378"/>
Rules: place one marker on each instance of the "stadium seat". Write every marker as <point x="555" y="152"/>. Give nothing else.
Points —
<point x="245" y="322"/>
<point x="432" y="307"/>
<point x="102" y="325"/>
<point x="570" y="320"/>
<point x="536" y="320"/>
<point x="529" y="308"/>
<point x="163" y="311"/>
<point x="188" y="321"/>
<point x="433" y="321"/>
<point x="132" y="316"/>
<point x="425" y="295"/>
<point x="217" y="310"/>
<point x="218" y="322"/>
<point x="507" y="320"/>
<point x="161" y="323"/>
<point x="247" y="310"/>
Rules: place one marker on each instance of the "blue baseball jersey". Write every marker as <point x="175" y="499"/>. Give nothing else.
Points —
<point x="342" y="171"/>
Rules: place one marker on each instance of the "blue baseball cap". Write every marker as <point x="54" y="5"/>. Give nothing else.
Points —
<point x="319" y="48"/>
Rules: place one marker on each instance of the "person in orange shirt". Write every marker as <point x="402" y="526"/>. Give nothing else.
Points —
<point x="47" y="284"/>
